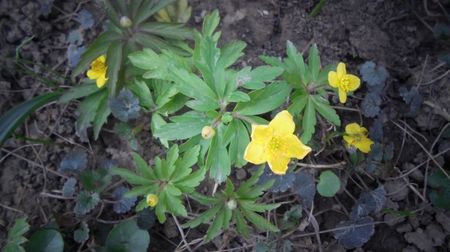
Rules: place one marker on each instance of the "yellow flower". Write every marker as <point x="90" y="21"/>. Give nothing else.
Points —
<point x="343" y="82"/>
<point x="356" y="136"/>
<point x="276" y="144"/>
<point x="152" y="200"/>
<point x="98" y="71"/>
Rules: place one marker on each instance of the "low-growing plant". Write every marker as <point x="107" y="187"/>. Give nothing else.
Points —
<point x="215" y="118"/>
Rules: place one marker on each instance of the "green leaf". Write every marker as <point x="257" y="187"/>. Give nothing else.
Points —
<point x="210" y="23"/>
<point x="148" y="8"/>
<point x="88" y="109"/>
<point x="112" y="13"/>
<point x="142" y="91"/>
<point x="78" y="92"/>
<point x="259" y="75"/>
<point x="171" y="158"/>
<point x="216" y="226"/>
<point x="259" y="221"/>
<point x="323" y="107"/>
<point x="167" y="30"/>
<point x="174" y="204"/>
<point x="241" y="223"/>
<point x="308" y="122"/>
<point x="203" y="217"/>
<point x="239" y="96"/>
<point x="238" y="144"/>
<point x="179" y="131"/>
<point x="142" y="190"/>
<point x="14" y="117"/>
<point x="157" y="123"/>
<point x="298" y="103"/>
<point x="230" y="53"/>
<point x="142" y="167"/>
<point x="114" y="59"/>
<point x="191" y="85"/>
<point x="45" y="240"/>
<point x="127" y="236"/>
<point x="188" y="183"/>
<point x="205" y="200"/>
<point x="264" y="100"/>
<point x="15" y="236"/>
<point x="131" y="177"/>
<point x="189" y="159"/>
<point x="101" y="117"/>
<point x="296" y="69"/>
<point x="186" y="126"/>
<point x="218" y="160"/>
<point x="146" y="59"/>
<point x="329" y="184"/>
<point x="135" y="5"/>
<point x="314" y="62"/>
<point x="96" y="49"/>
<point x="255" y="207"/>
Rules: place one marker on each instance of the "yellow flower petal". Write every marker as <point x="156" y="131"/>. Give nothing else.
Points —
<point x="295" y="147"/>
<point x="261" y="134"/>
<point x="342" y="96"/>
<point x="349" y="139"/>
<point x="102" y="59"/>
<point x="353" y="82"/>
<point x="341" y="71"/>
<point x="278" y="164"/>
<point x="101" y="81"/>
<point x="354" y="129"/>
<point x="282" y="123"/>
<point x="364" y="145"/>
<point x="333" y="79"/>
<point x="92" y="75"/>
<point x="255" y="153"/>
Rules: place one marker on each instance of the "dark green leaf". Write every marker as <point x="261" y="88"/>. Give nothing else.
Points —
<point x="78" y="92"/>
<point x="45" y="240"/>
<point x="127" y="236"/>
<point x="101" y="117"/>
<point x="314" y="62"/>
<point x="167" y="30"/>
<point x="16" y="115"/>
<point x="323" y="107"/>
<point x="114" y="57"/>
<point x="148" y="8"/>
<point x="259" y="221"/>
<point x="309" y="121"/>
<point x="216" y="226"/>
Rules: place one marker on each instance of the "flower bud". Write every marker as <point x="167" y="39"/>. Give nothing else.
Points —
<point x="125" y="22"/>
<point x="231" y="204"/>
<point x="208" y="132"/>
<point x="152" y="199"/>
<point x="227" y="117"/>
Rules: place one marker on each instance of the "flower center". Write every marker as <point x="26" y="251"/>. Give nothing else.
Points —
<point x="275" y="145"/>
<point x="345" y="83"/>
<point x="98" y="66"/>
